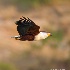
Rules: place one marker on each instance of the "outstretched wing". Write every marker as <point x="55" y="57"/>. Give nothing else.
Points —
<point x="27" y="27"/>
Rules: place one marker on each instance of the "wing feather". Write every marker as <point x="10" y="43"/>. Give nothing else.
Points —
<point x="27" y="27"/>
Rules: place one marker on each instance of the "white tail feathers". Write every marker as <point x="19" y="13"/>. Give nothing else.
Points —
<point x="15" y="37"/>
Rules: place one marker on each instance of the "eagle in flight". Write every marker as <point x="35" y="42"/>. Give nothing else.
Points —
<point x="28" y="30"/>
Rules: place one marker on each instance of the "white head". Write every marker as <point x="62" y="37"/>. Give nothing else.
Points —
<point x="42" y="35"/>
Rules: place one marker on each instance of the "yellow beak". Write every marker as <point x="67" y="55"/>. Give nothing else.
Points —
<point x="49" y="34"/>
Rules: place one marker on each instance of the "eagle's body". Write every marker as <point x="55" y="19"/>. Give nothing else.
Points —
<point x="28" y="30"/>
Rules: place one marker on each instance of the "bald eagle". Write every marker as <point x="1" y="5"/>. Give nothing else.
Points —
<point x="28" y="30"/>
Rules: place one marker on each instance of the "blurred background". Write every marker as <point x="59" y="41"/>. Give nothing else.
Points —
<point x="52" y="53"/>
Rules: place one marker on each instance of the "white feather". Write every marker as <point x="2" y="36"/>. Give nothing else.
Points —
<point x="15" y="37"/>
<point x="41" y="35"/>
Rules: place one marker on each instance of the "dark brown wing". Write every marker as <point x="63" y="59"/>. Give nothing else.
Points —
<point x="33" y="30"/>
<point x="27" y="27"/>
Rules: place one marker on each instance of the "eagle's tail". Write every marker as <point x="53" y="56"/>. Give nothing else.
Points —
<point x="16" y="37"/>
